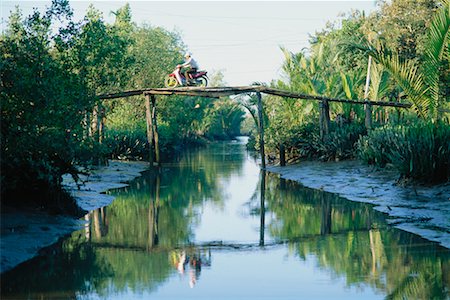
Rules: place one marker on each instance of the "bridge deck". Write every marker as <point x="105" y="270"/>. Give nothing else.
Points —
<point x="215" y="92"/>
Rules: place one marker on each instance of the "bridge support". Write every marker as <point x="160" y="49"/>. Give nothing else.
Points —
<point x="368" y="116"/>
<point x="261" y="130"/>
<point x="152" y="129"/>
<point x="324" y="119"/>
<point x="282" y="155"/>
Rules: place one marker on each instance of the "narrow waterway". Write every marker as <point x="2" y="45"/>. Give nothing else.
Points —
<point x="211" y="225"/>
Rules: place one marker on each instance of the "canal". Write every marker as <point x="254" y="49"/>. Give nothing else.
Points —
<point x="211" y="225"/>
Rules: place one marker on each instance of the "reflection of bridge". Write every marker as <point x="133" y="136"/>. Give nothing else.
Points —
<point x="217" y="92"/>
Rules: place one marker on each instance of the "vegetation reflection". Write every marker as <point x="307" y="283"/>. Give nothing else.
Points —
<point x="352" y="240"/>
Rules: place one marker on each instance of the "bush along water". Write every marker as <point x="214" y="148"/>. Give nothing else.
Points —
<point x="307" y="143"/>
<point x="420" y="151"/>
<point x="340" y="143"/>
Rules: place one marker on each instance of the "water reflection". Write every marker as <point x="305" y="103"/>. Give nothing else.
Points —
<point x="190" y="261"/>
<point x="262" y="207"/>
<point x="352" y="240"/>
<point x="145" y="243"/>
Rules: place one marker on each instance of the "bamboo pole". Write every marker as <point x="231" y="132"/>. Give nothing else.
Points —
<point x="149" y="123"/>
<point x="261" y="131"/>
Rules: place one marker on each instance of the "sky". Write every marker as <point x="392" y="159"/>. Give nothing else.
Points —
<point x="242" y="39"/>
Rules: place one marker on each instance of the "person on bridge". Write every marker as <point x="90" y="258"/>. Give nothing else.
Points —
<point x="190" y="66"/>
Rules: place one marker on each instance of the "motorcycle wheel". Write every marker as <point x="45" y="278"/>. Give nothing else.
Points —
<point x="170" y="82"/>
<point x="203" y="81"/>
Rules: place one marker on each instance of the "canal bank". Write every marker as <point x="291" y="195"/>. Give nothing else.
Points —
<point x="422" y="210"/>
<point x="24" y="234"/>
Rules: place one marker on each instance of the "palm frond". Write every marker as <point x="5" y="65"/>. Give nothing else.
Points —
<point x="408" y="78"/>
<point x="379" y="82"/>
<point x="347" y="86"/>
<point x="405" y="73"/>
<point x="437" y="48"/>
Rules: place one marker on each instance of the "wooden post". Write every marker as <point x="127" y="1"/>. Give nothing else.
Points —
<point x="155" y="130"/>
<point x="261" y="130"/>
<point x="149" y="122"/>
<point x="282" y="155"/>
<point x="326" y="112"/>
<point x="368" y="116"/>
<point x="324" y="119"/>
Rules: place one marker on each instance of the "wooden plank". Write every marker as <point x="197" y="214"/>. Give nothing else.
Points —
<point x="121" y="94"/>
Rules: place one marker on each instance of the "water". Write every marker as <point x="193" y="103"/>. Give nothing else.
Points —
<point x="211" y="225"/>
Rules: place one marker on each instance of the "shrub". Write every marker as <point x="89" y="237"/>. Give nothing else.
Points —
<point x="340" y="142"/>
<point x="125" y="144"/>
<point x="305" y="141"/>
<point x="420" y="151"/>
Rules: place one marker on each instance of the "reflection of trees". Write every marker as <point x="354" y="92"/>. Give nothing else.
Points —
<point x="62" y="271"/>
<point x="128" y="244"/>
<point x="352" y="240"/>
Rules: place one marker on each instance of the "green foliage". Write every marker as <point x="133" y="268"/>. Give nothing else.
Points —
<point x="340" y="143"/>
<point x="223" y="120"/>
<point x="402" y="25"/>
<point x="50" y="115"/>
<point x="419" y="150"/>
<point x="41" y="104"/>
<point x="425" y="80"/>
<point x="305" y="142"/>
<point x="409" y="43"/>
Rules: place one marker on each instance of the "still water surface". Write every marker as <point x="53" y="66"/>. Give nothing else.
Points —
<point x="212" y="226"/>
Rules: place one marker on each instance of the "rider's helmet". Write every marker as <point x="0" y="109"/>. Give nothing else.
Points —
<point x="187" y="54"/>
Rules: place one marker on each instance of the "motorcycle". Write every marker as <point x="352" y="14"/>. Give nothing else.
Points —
<point x="176" y="78"/>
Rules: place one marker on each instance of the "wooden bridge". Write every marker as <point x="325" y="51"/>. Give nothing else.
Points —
<point x="217" y="92"/>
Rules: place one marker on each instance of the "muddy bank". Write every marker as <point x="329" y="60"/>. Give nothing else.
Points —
<point x="23" y="234"/>
<point x="422" y="210"/>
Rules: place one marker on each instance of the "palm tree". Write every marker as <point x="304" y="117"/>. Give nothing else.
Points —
<point x="425" y="83"/>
